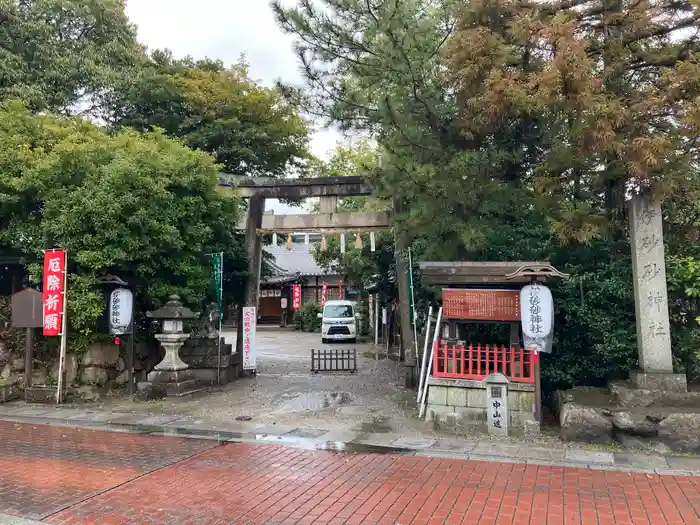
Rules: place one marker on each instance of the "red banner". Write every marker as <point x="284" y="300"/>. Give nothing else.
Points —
<point x="340" y="291"/>
<point x="54" y="290"/>
<point x="324" y="294"/>
<point x="296" y="297"/>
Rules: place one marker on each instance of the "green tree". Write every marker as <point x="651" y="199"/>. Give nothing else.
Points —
<point x="137" y="205"/>
<point x="55" y="54"/>
<point x="452" y="186"/>
<point x="613" y="87"/>
<point x="514" y="131"/>
<point x="359" y="159"/>
<point x="250" y="129"/>
<point x="360" y="266"/>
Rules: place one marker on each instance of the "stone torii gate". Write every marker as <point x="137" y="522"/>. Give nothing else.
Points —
<point x="327" y="221"/>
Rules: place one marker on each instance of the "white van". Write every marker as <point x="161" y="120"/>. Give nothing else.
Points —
<point x="339" y="322"/>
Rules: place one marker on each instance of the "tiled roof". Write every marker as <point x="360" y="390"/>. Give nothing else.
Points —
<point x="298" y="260"/>
<point x="281" y="279"/>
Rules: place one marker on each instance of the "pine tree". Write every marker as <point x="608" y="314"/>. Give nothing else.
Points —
<point x="379" y="67"/>
<point x="613" y="86"/>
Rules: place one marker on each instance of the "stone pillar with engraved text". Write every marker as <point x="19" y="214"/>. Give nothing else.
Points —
<point x="651" y="299"/>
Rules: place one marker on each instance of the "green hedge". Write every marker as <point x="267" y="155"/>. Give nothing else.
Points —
<point x="307" y="319"/>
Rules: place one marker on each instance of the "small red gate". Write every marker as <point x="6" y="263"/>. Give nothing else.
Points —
<point x="477" y="362"/>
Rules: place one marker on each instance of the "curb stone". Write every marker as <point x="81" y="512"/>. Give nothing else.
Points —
<point x="571" y="457"/>
<point x="7" y="519"/>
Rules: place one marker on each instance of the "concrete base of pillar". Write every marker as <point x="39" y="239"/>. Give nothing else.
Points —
<point x="208" y="376"/>
<point x="40" y="394"/>
<point x="659" y="381"/>
<point x="170" y="376"/>
<point x="148" y="390"/>
<point x="411" y="375"/>
<point x="531" y="429"/>
<point x="168" y="383"/>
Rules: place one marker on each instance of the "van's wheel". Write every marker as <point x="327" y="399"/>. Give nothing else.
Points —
<point x="324" y="341"/>
<point x="353" y="340"/>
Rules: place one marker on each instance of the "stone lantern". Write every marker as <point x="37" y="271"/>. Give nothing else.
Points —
<point x="171" y="377"/>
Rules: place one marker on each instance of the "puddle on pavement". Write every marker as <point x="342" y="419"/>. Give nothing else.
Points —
<point x="222" y="437"/>
<point x="379" y="425"/>
<point x="359" y="448"/>
<point x="373" y="355"/>
<point x="353" y="410"/>
<point x="315" y="401"/>
<point x="331" y="446"/>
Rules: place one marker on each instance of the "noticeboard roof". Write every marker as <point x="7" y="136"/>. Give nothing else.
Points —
<point x="450" y="274"/>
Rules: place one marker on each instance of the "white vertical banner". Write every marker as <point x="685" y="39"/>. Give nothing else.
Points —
<point x="537" y="317"/>
<point x="424" y="361"/>
<point x="249" y="349"/>
<point x="220" y="313"/>
<point x="342" y="243"/>
<point x="121" y="305"/>
<point x="372" y="241"/>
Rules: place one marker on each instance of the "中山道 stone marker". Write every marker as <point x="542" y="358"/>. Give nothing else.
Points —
<point x="651" y="299"/>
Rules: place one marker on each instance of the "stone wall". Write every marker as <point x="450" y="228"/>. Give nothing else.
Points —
<point x="102" y="366"/>
<point x="11" y="364"/>
<point x="9" y="390"/>
<point x="202" y="353"/>
<point x="100" y="363"/>
<point x="460" y="402"/>
<point x="635" y="418"/>
<point x="87" y="374"/>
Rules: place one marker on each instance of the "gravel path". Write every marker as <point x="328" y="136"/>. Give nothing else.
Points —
<point x="285" y="392"/>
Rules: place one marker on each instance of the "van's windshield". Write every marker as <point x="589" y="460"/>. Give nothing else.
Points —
<point x="337" y="311"/>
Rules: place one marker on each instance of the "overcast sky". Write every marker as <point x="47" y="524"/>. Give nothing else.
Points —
<point x="224" y="30"/>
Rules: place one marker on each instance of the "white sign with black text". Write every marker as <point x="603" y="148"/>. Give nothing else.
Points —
<point x="121" y="304"/>
<point x="497" y="409"/>
<point x="537" y="317"/>
<point x="249" y="325"/>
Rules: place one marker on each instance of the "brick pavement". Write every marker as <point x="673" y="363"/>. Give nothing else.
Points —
<point x="239" y="483"/>
<point x="44" y="469"/>
<point x="484" y="449"/>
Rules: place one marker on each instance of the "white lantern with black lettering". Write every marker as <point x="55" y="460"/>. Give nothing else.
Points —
<point x="121" y="304"/>
<point x="537" y="317"/>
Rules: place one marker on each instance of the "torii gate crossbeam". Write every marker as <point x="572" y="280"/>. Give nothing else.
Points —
<point x="328" y="189"/>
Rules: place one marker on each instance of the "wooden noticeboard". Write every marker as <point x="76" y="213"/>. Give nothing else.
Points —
<point x="481" y="305"/>
<point x="27" y="309"/>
